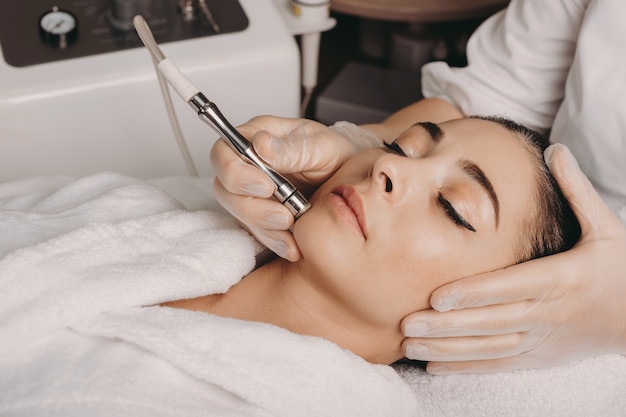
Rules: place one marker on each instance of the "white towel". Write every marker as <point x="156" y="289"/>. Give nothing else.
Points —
<point x="79" y="264"/>
<point x="595" y="387"/>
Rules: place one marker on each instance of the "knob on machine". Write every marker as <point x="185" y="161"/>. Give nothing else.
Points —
<point x="58" y="28"/>
<point x="121" y="14"/>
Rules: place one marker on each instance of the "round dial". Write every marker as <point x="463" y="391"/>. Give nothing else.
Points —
<point x="58" y="28"/>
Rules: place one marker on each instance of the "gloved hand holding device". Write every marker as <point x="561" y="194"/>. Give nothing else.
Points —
<point x="305" y="151"/>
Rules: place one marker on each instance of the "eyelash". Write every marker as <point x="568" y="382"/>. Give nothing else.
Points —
<point x="393" y="147"/>
<point x="453" y="214"/>
<point x="448" y="208"/>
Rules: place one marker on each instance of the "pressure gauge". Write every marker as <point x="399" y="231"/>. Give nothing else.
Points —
<point x="58" y="28"/>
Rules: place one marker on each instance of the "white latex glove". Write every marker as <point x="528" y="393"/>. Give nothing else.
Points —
<point x="305" y="151"/>
<point x="541" y="313"/>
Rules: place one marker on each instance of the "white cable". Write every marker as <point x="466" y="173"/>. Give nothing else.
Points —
<point x="157" y="58"/>
<point x="145" y="34"/>
<point x="310" y="49"/>
<point x="308" y="12"/>
<point x="308" y="94"/>
<point x="178" y="133"/>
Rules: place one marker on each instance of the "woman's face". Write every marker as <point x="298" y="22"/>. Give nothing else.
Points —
<point x="386" y="230"/>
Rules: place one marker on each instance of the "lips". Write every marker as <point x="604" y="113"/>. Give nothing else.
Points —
<point x="349" y="206"/>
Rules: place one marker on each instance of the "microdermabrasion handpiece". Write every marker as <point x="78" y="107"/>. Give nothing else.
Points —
<point x="285" y="192"/>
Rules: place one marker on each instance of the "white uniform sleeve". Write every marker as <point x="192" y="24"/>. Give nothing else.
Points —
<point x="592" y="119"/>
<point x="518" y="61"/>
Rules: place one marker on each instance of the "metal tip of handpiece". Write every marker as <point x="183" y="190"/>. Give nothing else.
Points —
<point x="297" y="204"/>
<point x="301" y="212"/>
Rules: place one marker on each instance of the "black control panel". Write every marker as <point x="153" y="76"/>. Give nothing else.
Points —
<point x="39" y="31"/>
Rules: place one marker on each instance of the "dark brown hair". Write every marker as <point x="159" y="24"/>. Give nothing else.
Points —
<point x="551" y="226"/>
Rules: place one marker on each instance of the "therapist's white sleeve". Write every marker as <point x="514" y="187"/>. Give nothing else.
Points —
<point x="518" y="61"/>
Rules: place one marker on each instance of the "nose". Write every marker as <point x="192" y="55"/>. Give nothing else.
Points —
<point x="390" y="176"/>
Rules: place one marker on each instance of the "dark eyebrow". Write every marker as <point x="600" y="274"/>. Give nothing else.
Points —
<point x="479" y="176"/>
<point x="434" y="131"/>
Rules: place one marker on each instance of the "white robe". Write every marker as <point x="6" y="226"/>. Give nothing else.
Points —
<point x="77" y="267"/>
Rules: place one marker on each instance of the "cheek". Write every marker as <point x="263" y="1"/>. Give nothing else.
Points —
<point x="360" y="276"/>
<point x="417" y="261"/>
<point x="390" y="275"/>
<point x="326" y="252"/>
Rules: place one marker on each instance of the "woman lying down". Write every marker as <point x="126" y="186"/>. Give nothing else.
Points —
<point x="115" y="301"/>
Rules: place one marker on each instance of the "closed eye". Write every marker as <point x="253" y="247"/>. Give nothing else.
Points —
<point x="449" y="209"/>
<point x="453" y="214"/>
<point x="393" y="147"/>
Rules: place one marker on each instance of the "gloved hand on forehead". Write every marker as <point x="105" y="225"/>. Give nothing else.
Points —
<point x="305" y="151"/>
<point x="540" y="313"/>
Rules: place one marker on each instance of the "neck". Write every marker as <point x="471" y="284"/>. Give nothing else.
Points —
<point x="279" y="293"/>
